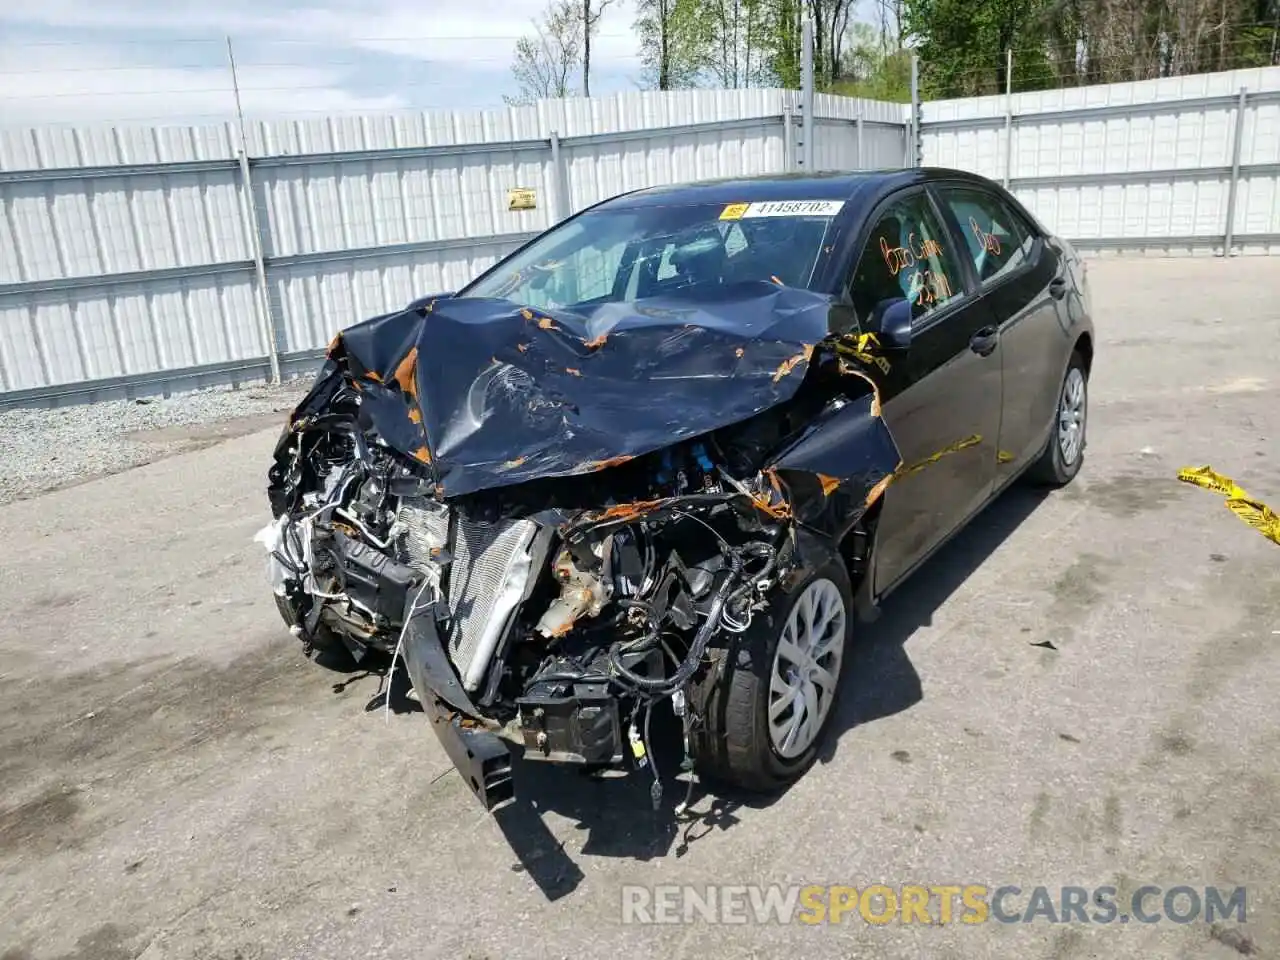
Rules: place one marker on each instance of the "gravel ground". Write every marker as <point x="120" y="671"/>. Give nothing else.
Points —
<point x="1080" y="689"/>
<point x="43" y="450"/>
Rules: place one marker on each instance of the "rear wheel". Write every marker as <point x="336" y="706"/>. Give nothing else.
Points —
<point x="1064" y="453"/>
<point x="768" y="710"/>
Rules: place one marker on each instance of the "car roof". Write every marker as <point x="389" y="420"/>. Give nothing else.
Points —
<point x="866" y="186"/>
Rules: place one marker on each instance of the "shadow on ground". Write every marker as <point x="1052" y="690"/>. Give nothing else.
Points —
<point x="879" y="679"/>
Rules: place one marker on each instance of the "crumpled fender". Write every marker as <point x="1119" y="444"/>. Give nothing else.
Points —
<point x="844" y="460"/>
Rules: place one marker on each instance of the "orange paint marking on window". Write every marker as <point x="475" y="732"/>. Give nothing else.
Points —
<point x="989" y="241"/>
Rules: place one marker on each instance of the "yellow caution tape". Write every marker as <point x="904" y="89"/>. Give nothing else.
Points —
<point x="934" y="458"/>
<point x="905" y="470"/>
<point x="1253" y="512"/>
<point x="1208" y="478"/>
<point x="860" y="346"/>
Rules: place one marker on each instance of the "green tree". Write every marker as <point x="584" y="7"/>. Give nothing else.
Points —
<point x="874" y="66"/>
<point x="738" y="31"/>
<point x="962" y="44"/>
<point x="675" y="42"/>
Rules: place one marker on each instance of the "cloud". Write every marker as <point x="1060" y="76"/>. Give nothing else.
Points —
<point x="98" y="83"/>
<point x="75" y="60"/>
<point x="473" y="31"/>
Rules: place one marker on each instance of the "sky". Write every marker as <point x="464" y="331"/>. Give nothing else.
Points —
<point x="157" y="61"/>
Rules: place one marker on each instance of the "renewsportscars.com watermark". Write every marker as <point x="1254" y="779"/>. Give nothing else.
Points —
<point x="934" y="904"/>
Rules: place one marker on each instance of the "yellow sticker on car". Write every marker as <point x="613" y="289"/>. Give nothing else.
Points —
<point x="734" y="211"/>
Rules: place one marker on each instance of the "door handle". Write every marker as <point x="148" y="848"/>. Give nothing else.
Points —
<point x="1058" y="287"/>
<point x="984" y="342"/>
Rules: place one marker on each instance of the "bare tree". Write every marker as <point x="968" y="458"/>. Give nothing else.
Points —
<point x="589" y="13"/>
<point x="545" y="61"/>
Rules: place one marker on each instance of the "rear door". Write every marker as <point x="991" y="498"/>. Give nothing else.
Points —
<point x="1016" y="271"/>
<point x="942" y="396"/>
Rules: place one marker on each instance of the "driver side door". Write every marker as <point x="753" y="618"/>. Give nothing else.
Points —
<point x="941" y="396"/>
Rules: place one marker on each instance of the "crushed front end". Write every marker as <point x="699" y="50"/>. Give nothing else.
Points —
<point x="546" y="561"/>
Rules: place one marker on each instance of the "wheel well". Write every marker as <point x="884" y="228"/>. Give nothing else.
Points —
<point x="857" y="544"/>
<point x="1084" y="347"/>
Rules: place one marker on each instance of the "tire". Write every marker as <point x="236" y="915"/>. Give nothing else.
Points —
<point x="735" y="744"/>
<point x="1062" y="457"/>
<point x="328" y="647"/>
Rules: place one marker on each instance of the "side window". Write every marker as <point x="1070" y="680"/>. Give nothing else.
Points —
<point x="907" y="256"/>
<point x="997" y="240"/>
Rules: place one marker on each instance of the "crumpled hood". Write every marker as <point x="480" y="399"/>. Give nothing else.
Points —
<point x="488" y="394"/>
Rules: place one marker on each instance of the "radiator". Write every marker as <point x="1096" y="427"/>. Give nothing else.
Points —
<point x="484" y="582"/>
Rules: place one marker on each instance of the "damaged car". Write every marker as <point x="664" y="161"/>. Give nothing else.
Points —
<point x="668" y="453"/>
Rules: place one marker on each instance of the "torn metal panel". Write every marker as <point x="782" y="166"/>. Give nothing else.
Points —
<point x="848" y="452"/>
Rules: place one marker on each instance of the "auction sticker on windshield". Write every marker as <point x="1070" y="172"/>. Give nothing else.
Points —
<point x="782" y="208"/>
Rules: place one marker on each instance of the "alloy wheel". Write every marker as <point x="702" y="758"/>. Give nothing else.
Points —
<point x="1071" y="416"/>
<point x="806" y="668"/>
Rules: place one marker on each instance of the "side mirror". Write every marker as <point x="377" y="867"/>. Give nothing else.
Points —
<point x="891" y="323"/>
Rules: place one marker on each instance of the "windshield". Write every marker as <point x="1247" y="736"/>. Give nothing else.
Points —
<point x="624" y="254"/>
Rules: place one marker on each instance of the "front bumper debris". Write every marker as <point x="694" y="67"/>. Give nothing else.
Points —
<point x="482" y="759"/>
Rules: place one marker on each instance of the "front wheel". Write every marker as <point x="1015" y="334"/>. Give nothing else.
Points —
<point x="768" y="709"/>
<point x="1064" y="453"/>
<point x="328" y="647"/>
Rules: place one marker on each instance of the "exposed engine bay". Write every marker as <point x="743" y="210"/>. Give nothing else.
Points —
<point x="548" y="562"/>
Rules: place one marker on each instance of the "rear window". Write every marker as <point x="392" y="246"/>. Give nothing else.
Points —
<point x="997" y="239"/>
<point x="631" y="253"/>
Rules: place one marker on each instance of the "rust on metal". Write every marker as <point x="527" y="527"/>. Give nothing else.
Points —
<point x="874" y="493"/>
<point x="422" y="454"/>
<point x="629" y="511"/>
<point x="791" y="363"/>
<point x="829" y="484"/>
<point x="406" y="373"/>
<point x="595" y="465"/>
<point x="848" y="369"/>
<point x="595" y="343"/>
<point x="779" y="511"/>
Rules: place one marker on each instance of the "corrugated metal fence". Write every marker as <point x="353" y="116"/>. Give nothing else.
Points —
<point x="136" y="260"/>
<point x="139" y="259"/>
<point x="1168" y="166"/>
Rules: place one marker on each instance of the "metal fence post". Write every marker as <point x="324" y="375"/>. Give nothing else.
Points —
<point x="916" y="146"/>
<point x="1236" y="145"/>
<point x="806" y="91"/>
<point x="788" y="139"/>
<point x="254" y="230"/>
<point x="1008" y="116"/>
<point x="862" y="162"/>
<point x="560" y="208"/>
